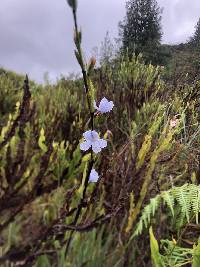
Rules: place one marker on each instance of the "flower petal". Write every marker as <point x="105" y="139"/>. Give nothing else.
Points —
<point x="85" y="146"/>
<point x="95" y="135"/>
<point x="105" y="105"/>
<point x="110" y="106"/>
<point x="93" y="176"/>
<point x="96" y="147"/>
<point x="103" y="101"/>
<point x="102" y="143"/>
<point x="87" y="135"/>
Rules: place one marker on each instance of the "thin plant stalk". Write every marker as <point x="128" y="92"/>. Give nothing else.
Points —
<point x="78" y="52"/>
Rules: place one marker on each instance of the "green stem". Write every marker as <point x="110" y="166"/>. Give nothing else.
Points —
<point x="85" y="80"/>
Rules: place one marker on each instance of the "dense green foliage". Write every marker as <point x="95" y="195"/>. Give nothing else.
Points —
<point x="140" y="32"/>
<point x="144" y="209"/>
<point x="195" y="39"/>
<point x="42" y="166"/>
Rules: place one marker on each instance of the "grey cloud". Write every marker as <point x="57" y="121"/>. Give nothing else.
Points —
<point x="36" y="35"/>
<point x="179" y="19"/>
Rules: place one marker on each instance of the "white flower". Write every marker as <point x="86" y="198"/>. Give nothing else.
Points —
<point x="104" y="106"/>
<point x="92" y="140"/>
<point x="173" y="123"/>
<point x="93" y="176"/>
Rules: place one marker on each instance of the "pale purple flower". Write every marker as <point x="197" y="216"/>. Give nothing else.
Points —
<point x="104" y="106"/>
<point x="173" y="123"/>
<point x="93" y="178"/>
<point x="92" y="140"/>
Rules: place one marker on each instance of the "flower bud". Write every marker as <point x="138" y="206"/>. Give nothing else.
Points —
<point x="91" y="64"/>
<point x="92" y="61"/>
<point x="72" y="4"/>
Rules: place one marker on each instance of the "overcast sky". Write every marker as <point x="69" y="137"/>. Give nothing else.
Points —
<point x="36" y="35"/>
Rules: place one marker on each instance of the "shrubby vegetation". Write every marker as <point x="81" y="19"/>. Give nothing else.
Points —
<point x="144" y="209"/>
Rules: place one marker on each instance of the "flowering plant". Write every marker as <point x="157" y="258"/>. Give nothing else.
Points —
<point x="92" y="141"/>
<point x="104" y="106"/>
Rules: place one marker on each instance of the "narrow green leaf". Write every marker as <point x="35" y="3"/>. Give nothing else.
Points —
<point x="43" y="261"/>
<point x="155" y="255"/>
<point x="196" y="256"/>
<point x="41" y="141"/>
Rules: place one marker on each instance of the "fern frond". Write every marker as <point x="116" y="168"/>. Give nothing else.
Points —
<point x="186" y="198"/>
<point x="149" y="211"/>
<point x="195" y="199"/>
<point x="183" y="197"/>
<point x="168" y="200"/>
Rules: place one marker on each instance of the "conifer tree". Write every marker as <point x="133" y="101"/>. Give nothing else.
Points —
<point x="107" y="50"/>
<point x="195" y="40"/>
<point x="140" y="31"/>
